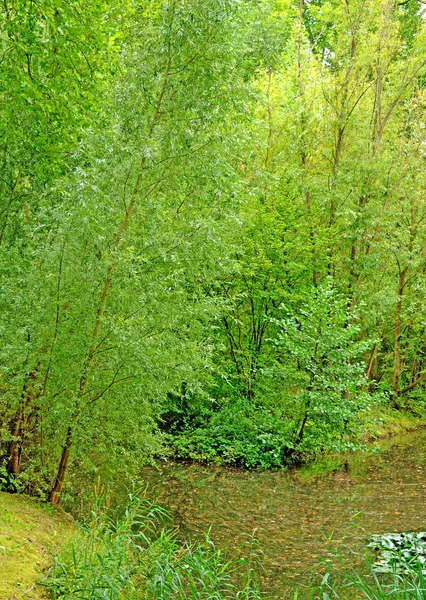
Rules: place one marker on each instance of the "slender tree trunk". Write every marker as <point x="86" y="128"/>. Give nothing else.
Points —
<point x="8" y="208"/>
<point x="14" y="450"/>
<point x="373" y="368"/>
<point x="15" y="445"/>
<point x="397" y="367"/>
<point x="413" y="384"/>
<point x="301" y="433"/>
<point x="371" y="361"/>
<point x="55" y="492"/>
<point x="303" y="151"/>
<point x="398" y="358"/>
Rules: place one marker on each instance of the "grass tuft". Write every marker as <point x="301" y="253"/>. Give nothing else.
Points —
<point x="134" y="557"/>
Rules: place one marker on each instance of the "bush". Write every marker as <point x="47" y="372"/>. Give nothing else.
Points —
<point x="241" y="435"/>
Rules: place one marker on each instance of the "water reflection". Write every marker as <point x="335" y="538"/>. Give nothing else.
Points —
<point x="301" y="520"/>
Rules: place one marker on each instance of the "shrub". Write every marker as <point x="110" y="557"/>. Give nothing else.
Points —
<point x="241" y="434"/>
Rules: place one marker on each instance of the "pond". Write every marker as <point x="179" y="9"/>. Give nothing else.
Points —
<point x="302" y="519"/>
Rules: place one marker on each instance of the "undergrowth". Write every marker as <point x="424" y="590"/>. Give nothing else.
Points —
<point x="240" y="435"/>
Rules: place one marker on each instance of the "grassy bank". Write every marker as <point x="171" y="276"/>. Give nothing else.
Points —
<point x="384" y="421"/>
<point x="29" y="536"/>
<point x="381" y="427"/>
<point x="126" y="558"/>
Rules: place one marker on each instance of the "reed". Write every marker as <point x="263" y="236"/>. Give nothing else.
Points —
<point x="410" y="585"/>
<point x="135" y="557"/>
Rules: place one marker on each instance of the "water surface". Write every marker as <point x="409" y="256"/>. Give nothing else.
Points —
<point x="301" y="520"/>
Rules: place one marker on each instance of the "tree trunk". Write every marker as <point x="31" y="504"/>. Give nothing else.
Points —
<point x="14" y="449"/>
<point x="15" y="445"/>
<point x="300" y="435"/>
<point x="397" y="367"/>
<point x="370" y="364"/>
<point x="55" y="492"/>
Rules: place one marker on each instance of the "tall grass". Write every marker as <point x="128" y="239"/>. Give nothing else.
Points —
<point x="134" y="557"/>
<point x="407" y="586"/>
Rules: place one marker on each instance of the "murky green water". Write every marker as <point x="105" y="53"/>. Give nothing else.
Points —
<point x="301" y="519"/>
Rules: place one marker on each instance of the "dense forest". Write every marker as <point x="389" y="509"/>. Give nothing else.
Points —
<point x="212" y="230"/>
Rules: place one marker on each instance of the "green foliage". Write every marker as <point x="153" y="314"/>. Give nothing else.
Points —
<point x="399" y="552"/>
<point x="320" y="374"/>
<point x="133" y="557"/>
<point x="239" y="434"/>
<point x="323" y="368"/>
<point x="102" y="299"/>
<point x="185" y="186"/>
<point x="331" y="202"/>
<point x="7" y="482"/>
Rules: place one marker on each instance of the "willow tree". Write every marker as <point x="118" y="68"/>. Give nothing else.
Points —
<point x="134" y="228"/>
<point x="55" y="64"/>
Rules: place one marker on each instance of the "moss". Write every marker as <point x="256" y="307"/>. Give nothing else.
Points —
<point x="30" y="534"/>
<point x="383" y="422"/>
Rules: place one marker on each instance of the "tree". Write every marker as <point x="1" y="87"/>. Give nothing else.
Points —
<point x="148" y="187"/>
<point x="324" y="371"/>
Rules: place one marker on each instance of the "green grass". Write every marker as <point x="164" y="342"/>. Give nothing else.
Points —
<point x="409" y="586"/>
<point x="384" y="421"/>
<point x="134" y="557"/>
<point x="381" y="423"/>
<point x="29" y="536"/>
